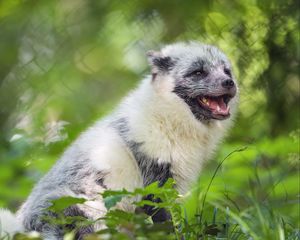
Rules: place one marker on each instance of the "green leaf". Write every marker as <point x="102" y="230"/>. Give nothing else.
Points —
<point x="60" y="204"/>
<point x="111" y="201"/>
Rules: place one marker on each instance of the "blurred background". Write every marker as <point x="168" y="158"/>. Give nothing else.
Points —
<point x="66" y="63"/>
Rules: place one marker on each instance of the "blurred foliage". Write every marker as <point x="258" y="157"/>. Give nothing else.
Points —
<point x="66" y="63"/>
<point x="255" y="222"/>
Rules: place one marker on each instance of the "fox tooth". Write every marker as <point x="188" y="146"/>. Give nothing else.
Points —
<point x="218" y="109"/>
<point x="206" y="101"/>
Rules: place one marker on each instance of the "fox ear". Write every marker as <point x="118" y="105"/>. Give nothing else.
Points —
<point x="158" y="62"/>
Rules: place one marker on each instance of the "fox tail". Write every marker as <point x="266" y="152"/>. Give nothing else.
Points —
<point x="9" y="224"/>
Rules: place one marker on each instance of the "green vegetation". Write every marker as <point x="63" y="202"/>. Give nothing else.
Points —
<point x="64" y="64"/>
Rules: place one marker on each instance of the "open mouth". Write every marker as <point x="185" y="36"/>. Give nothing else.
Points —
<point x="217" y="105"/>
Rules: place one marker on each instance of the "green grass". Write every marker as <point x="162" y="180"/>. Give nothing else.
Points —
<point x="252" y="203"/>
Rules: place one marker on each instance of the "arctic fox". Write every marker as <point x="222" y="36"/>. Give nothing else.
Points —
<point x="167" y="127"/>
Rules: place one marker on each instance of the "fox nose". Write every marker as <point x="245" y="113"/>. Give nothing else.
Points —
<point x="228" y="83"/>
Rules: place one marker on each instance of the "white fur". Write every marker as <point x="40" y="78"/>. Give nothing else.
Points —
<point x="9" y="224"/>
<point x="160" y="120"/>
<point x="169" y="131"/>
<point x="108" y="153"/>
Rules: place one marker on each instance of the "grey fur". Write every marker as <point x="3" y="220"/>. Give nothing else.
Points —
<point x="75" y="211"/>
<point x="62" y="180"/>
<point x="44" y="223"/>
<point x="163" y="63"/>
<point x="159" y="62"/>
<point x="201" y="75"/>
<point x="151" y="170"/>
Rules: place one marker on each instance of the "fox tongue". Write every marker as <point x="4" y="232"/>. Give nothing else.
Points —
<point x="218" y="106"/>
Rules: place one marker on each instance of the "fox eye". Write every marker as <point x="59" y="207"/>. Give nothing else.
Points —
<point x="200" y="72"/>
<point x="227" y="72"/>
